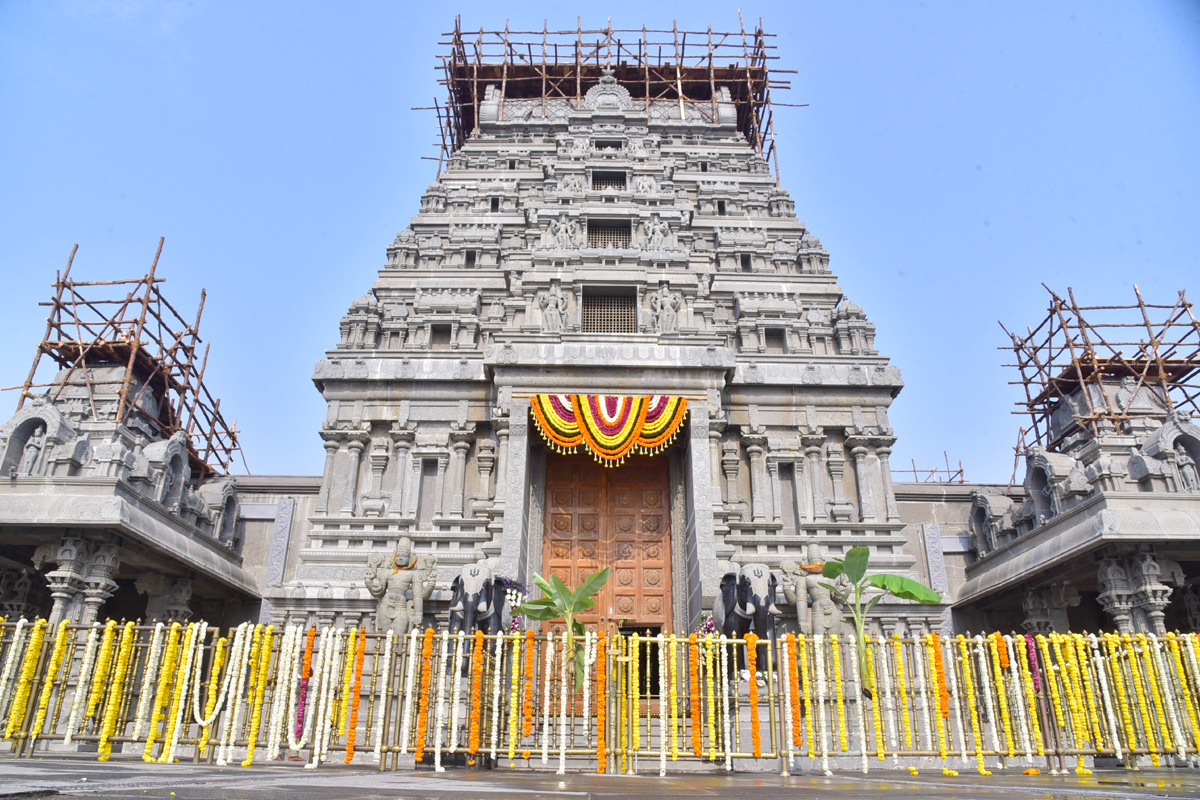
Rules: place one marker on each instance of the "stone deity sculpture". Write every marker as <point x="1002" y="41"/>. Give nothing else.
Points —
<point x="33" y="450"/>
<point x="402" y="592"/>
<point x="1188" y="477"/>
<point x="553" y="310"/>
<point x="664" y="306"/>
<point x="802" y="586"/>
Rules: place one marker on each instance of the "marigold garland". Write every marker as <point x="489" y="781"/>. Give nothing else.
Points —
<point x="794" y="686"/>
<point x="476" y="693"/>
<point x="876" y="716"/>
<point x="305" y="675"/>
<point x="902" y="690"/>
<point x="835" y="659"/>
<point x="940" y="665"/>
<point x="213" y="678"/>
<point x="423" y="705"/>
<point x="601" y="704"/>
<point x="13" y="658"/>
<point x="1181" y="675"/>
<point x="752" y="666"/>
<point x="1113" y="644"/>
<point x="635" y="697"/>
<point x="809" y="722"/>
<point x="609" y="427"/>
<point x="179" y="698"/>
<point x="112" y="705"/>
<point x="513" y="709"/>
<point x="711" y="695"/>
<point x="694" y="692"/>
<point x="674" y="696"/>
<point x="1155" y="694"/>
<point x="999" y="664"/>
<point x="1022" y="654"/>
<point x="103" y="664"/>
<point x="56" y="659"/>
<point x="940" y="725"/>
<point x="1140" y="693"/>
<point x="33" y="654"/>
<point x="527" y="704"/>
<point x="166" y="672"/>
<point x="973" y="712"/>
<point x="343" y="708"/>
<point x="355" y="694"/>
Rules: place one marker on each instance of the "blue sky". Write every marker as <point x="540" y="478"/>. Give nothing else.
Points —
<point x="953" y="156"/>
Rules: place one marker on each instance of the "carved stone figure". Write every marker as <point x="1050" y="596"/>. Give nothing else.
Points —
<point x="564" y="233"/>
<point x="571" y="183"/>
<point x="747" y="602"/>
<point x="664" y="309"/>
<point x="476" y="600"/>
<point x="657" y="234"/>
<point x="644" y="184"/>
<point x="705" y="281"/>
<point x="33" y="450"/>
<point x="402" y="592"/>
<point x="1188" y="478"/>
<point x="553" y="310"/>
<point x="816" y="609"/>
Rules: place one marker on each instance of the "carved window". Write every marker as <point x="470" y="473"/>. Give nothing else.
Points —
<point x="608" y="180"/>
<point x="439" y="337"/>
<point x="609" y="233"/>
<point x="609" y="310"/>
<point x="747" y="262"/>
<point x="720" y="208"/>
<point x="469" y="259"/>
<point x="774" y="341"/>
<point x="495" y="204"/>
<point x="704" y="166"/>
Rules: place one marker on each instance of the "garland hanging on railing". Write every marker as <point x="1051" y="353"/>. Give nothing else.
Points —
<point x="610" y="427"/>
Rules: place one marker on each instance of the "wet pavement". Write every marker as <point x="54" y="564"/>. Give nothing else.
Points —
<point x="127" y="778"/>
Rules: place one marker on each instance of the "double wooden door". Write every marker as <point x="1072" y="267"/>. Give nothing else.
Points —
<point x="617" y="517"/>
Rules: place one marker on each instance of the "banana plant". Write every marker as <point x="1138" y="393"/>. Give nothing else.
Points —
<point x="854" y="568"/>
<point x="561" y="601"/>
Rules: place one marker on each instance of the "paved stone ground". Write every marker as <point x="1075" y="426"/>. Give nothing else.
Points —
<point x="132" y="779"/>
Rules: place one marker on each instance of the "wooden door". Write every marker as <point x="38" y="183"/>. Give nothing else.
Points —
<point x="617" y="517"/>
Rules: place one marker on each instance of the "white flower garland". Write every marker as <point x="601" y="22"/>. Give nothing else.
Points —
<point x="564" y="670"/>
<point x="856" y="686"/>
<point x="149" y="676"/>
<point x="589" y="658"/>
<point x="82" y="682"/>
<point x="10" y="666"/>
<point x="227" y="730"/>
<point x="439" y="719"/>
<point x="1164" y="680"/>
<point x="287" y="668"/>
<point x="316" y="668"/>
<point x="498" y="659"/>
<point x="819" y="668"/>
<point x="1017" y="698"/>
<point x="891" y="729"/>
<point x="409" y="675"/>
<point x="662" y="705"/>
<point x="723" y="680"/>
<point x="926" y="704"/>
<point x="456" y="691"/>
<point x="952" y="687"/>
<point x="327" y="707"/>
<point x="1105" y="697"/>
<point x="985" y="688"/>
<point x="547" y="682"/>
<point x="385" y="673"/>
<point x="196" y="632"/>
<point x="1191" y="663"/>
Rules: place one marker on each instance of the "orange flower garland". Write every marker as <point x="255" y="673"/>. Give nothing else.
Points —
<point x="423" y="708"/>
<point x="601" y="706"/>
<point x="1002" y="648"/>
<point x="794" y="681"/>
<point x="355" y="695"/>
<point x="752" y="666"/>
<point x="940" y="667"/>
<point x="476" y="692"/>
<point x="694" y="687"/>
<point x="530" y="658"/>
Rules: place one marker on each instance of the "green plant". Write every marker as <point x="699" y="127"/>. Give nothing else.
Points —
<point x="854" y="567"/>
<point x="561" y="601"/>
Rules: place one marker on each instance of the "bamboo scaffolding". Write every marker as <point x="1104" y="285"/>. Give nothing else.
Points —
<point x="137" y="329"/>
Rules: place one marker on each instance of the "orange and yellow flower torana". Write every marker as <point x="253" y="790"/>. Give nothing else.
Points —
<point x="610" y="427"/>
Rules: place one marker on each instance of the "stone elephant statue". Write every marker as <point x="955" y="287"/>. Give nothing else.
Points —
<point x="747" y="603"/>
<point x="476" y="600"/>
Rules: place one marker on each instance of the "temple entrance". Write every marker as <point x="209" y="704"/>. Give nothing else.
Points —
<point x="599" y="517"/>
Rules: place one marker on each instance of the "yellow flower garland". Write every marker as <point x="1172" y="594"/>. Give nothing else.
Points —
<point x="1051" y="682"/>
<point x="839" y="692"/>
<point x="1176" y="656"/>
<point x="56" y="659"/>
<point x="513" y="707"/>
<point x="112" y="706"/>
<point x="343" y="708"/>
<point x="1139" y="692"/>
<point x="1022" y="654"/>
<point x="182" y="675"/>
<point x="902" y="689"/>
<point x="1002" y="695"/>
<point x="260" y="688"/>
<point x="622" y="723"/>
<point x="969" y="688"/>
<point x="1089" y="690"/>
<point x="940" y="723"/>
<point x="1112" y="643"/>
<point x="33" y="654"/>
<point x="1155" y="693"/>
<point x="712" y="697"/>
<point x="213" y="680"/>
<point x="100" y="676"/>
<point x="876" y="717"/>
<point x="674" y="698"/>
<point x="160" y="693"/>
<point x="635" y="698"/>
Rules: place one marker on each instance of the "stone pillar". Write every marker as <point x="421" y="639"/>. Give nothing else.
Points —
<point x="460" y="443"/>
<point x="98" y="583"/>
<point x="756" y="448"/>
<point x="1116" y="592"/>
<point x="374" y="502"/>
<point x="729" y="465"/>
<point x="701" y="487"/>
<point x="413" y="487"/>
<point x="714" y="460"/>
<point x="354" y="447"/>
<point x="439" y="491"/>
<point x="66" y="580"/>
<point x="885" y="470"/>
<point x="501" y="427"/>
<point x="1151" y="595"/>
<point x="402" y="442"/>
<point x="331" y="448"/>
<point x="773" y="473"/>
<point x="866" y="504"/>
<point x="841" y="509"/>
<point x="803" y="497"/>
<point x="486" y="457"/>
<point x="812" y="455"/>
<point x="516" y="513"/>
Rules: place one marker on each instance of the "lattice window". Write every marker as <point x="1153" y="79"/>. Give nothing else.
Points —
<point x="608" y="233"/>
<point x="609" y="311"/>
<point x="608" y="180"/>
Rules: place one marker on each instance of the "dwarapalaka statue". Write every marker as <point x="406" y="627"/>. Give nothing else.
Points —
<point x="802" y="585"/>
<point x="402" y="592"/>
